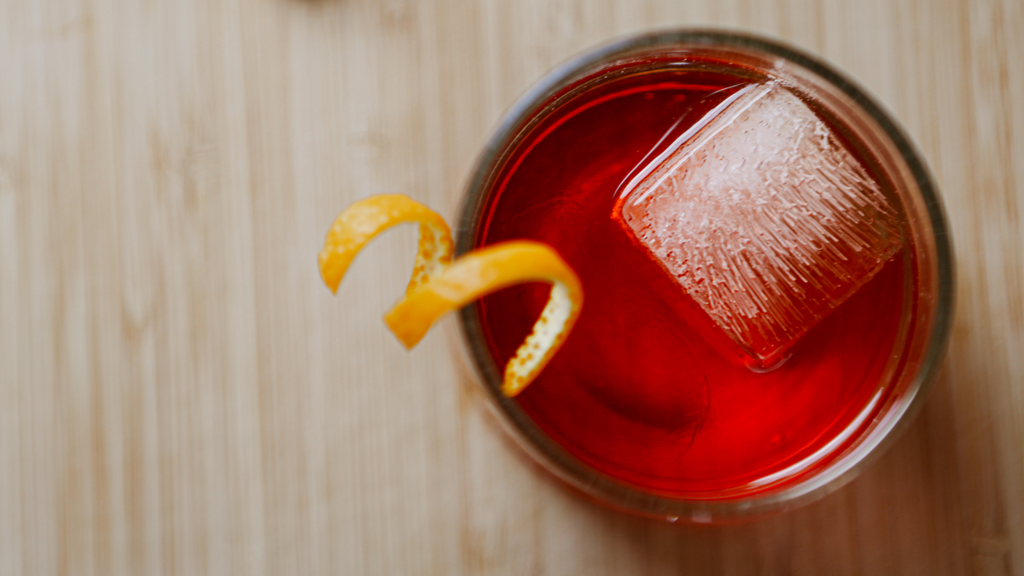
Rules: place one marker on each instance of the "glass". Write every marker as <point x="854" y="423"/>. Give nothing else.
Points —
<point x="927" y="265"/>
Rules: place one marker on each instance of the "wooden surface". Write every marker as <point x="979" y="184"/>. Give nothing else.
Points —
<point x="179" y="394"/>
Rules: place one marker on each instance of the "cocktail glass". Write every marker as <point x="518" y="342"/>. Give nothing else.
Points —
<point x="589" y="428"/>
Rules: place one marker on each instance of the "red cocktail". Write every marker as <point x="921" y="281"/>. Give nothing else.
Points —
<point x="650" y="405"/>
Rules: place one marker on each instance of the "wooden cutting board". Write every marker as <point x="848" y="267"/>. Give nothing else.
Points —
<point x="179" y="394"/>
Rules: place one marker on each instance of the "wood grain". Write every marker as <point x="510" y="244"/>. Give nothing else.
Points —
<point x="180" y="395"/>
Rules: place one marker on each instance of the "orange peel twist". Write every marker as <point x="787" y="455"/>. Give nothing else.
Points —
<point x="487" y="270"/>
<point x="439" y="286"/>
<point x="364" y="220"/>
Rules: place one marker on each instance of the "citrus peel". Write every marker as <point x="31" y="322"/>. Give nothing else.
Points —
<point x="364" y="220"/>
<point x="439" y="286"/>
<point x="487" y="270"/>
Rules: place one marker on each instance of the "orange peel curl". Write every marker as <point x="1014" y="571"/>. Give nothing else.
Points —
<point x="487" y="270"/>
<point x="364" y="220"/>
<point x="439" y="285"/>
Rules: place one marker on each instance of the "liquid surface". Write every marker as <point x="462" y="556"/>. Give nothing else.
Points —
<point x="647" y="388"/>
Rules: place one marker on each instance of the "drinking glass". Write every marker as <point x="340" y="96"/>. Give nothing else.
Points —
<point x="929" y="286"/>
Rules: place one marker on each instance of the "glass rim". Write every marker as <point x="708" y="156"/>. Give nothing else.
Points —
<point x="619" y="494"/>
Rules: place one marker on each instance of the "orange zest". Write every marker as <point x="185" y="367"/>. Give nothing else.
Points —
<point x="361" y="222"/>
<point x="487" y="270"/>
<point x="439" y="286"/>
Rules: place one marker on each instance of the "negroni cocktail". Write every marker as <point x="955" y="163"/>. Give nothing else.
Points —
<point x="763" y="284"/>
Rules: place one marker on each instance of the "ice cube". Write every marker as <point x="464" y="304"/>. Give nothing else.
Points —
<point x="763" y="216"/>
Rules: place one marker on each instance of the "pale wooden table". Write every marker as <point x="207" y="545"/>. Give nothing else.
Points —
<point x="180" y="395"/>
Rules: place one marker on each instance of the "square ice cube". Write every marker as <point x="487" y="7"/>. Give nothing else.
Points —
<point x="763" y="216"/>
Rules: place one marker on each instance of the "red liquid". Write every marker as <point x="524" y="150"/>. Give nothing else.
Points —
<point x="646" y="388"/>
